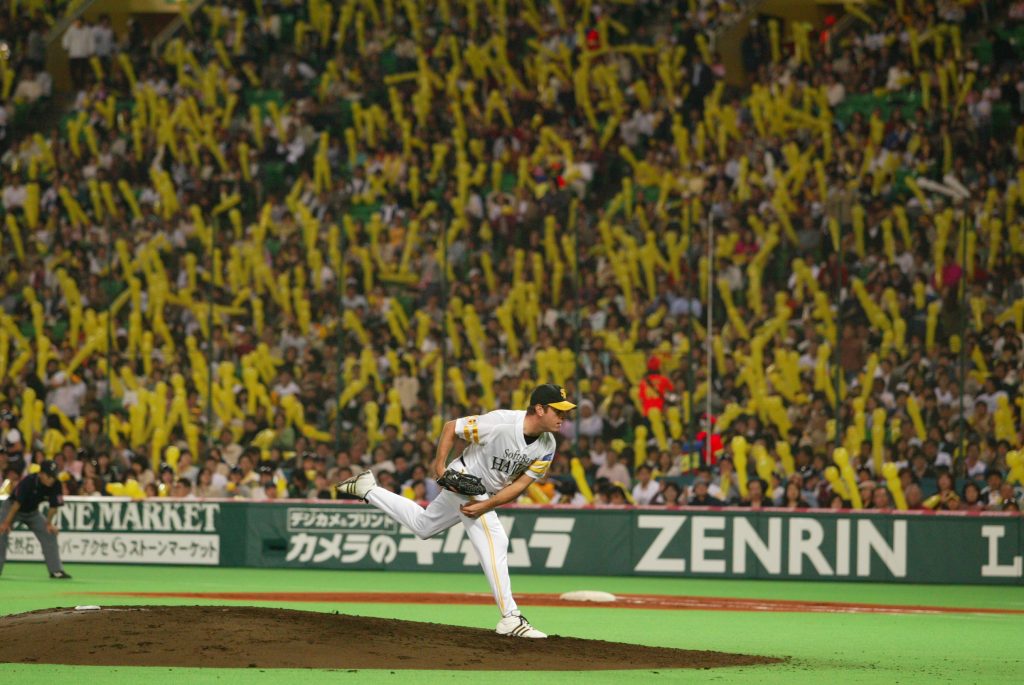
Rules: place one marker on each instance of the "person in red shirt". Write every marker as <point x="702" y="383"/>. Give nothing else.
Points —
<point x="654" y="387"/>
<point x="716" y="442"/>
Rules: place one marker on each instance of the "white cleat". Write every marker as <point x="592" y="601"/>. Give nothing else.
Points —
<point x="358" y="486"/>
<point x="517" y="626"/>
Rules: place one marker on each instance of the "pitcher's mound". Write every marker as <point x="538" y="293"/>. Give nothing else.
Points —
<point x="218" y="636"/>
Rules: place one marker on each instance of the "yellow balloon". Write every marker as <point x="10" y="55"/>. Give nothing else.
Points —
<point x="763" y="463"/>
<point x="1012" y="459"/>
<point x="576" y="468"/>
<point x="171" y="455"/>
<point x="838" y="487"/>
<point x="890" y="471"/>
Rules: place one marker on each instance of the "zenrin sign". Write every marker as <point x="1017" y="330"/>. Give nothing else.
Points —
<point x="774" y="546"/>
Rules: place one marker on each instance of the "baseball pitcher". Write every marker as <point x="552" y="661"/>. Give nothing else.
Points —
<point x="504" y="452"/>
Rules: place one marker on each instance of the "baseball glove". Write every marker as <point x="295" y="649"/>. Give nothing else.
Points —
<point x="462" y="483"/>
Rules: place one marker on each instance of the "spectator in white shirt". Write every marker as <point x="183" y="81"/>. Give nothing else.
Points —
<point x="67" y="393"/>
<point x="613" y="470"/>
<point x="408" y="386"/>
<point x="835" y="91"/>
<point x="14" y="193"/>
<point x="590" y="424"/>
<point x="185" y="467"/>
<point x="78" y="41"/>
<point x="646" y="489"/>
<point x="29" y="88"/>
<point x="286" y="385"/>
<point x="599" y="451"/>
<point x="990" y="395"/>
<point x="210" y="484"/>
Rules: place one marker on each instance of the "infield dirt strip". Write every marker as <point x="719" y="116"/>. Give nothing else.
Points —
<point x="668" y="602"/>
<point x="239" y="637"/>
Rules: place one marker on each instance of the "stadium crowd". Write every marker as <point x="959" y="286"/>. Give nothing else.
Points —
<point x="359" y="219"/>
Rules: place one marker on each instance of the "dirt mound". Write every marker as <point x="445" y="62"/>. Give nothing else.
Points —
<point x="218" y="636"/>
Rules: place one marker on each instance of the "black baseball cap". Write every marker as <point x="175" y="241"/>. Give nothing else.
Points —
<point x="552" y="395"/>
<point x="49" y="467"/>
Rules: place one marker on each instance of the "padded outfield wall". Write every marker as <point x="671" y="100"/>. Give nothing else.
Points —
<point x="692" y="542"/>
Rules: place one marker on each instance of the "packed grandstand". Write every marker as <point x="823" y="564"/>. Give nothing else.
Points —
<point x="286" y="243"/>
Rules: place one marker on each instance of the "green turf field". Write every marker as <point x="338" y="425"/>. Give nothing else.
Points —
<point x="822" y="648"/>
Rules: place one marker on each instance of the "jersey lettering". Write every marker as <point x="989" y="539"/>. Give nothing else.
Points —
<point x="515" y="463"/>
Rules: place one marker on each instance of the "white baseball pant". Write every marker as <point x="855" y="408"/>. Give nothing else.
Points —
<point x="485" y="533"/>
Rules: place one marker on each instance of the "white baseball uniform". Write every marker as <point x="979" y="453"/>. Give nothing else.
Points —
<point x="498" y="454"/>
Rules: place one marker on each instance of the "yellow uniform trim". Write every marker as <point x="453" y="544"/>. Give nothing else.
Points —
<point x="494" y="563"/>
<point x="472" y="431"/>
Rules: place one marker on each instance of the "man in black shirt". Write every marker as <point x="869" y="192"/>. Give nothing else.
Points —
<point x="23" y="506"/>
<point x="700" y="497"/>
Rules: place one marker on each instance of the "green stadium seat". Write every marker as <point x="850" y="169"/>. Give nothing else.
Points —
<point x="273" y="176"/>
<point x="508" y="182"/>
<point x="111" y="404"/>
<point x="1002" y="119"/>
<point x="287" y="28"/>
<point x="983" y="51"/>
<point x="345" y="115"/>
<point x="260" y="97"/>
<point x="58" y="331"/>
<point x="63" y="124"/>
<point x="22" y="114"/>
<point x="389" y="62"/>
<point x="899" y="183"/>
<point x="364" y="212"/>
<point x="112" y="287"/>
<point x="407" y="302"/>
